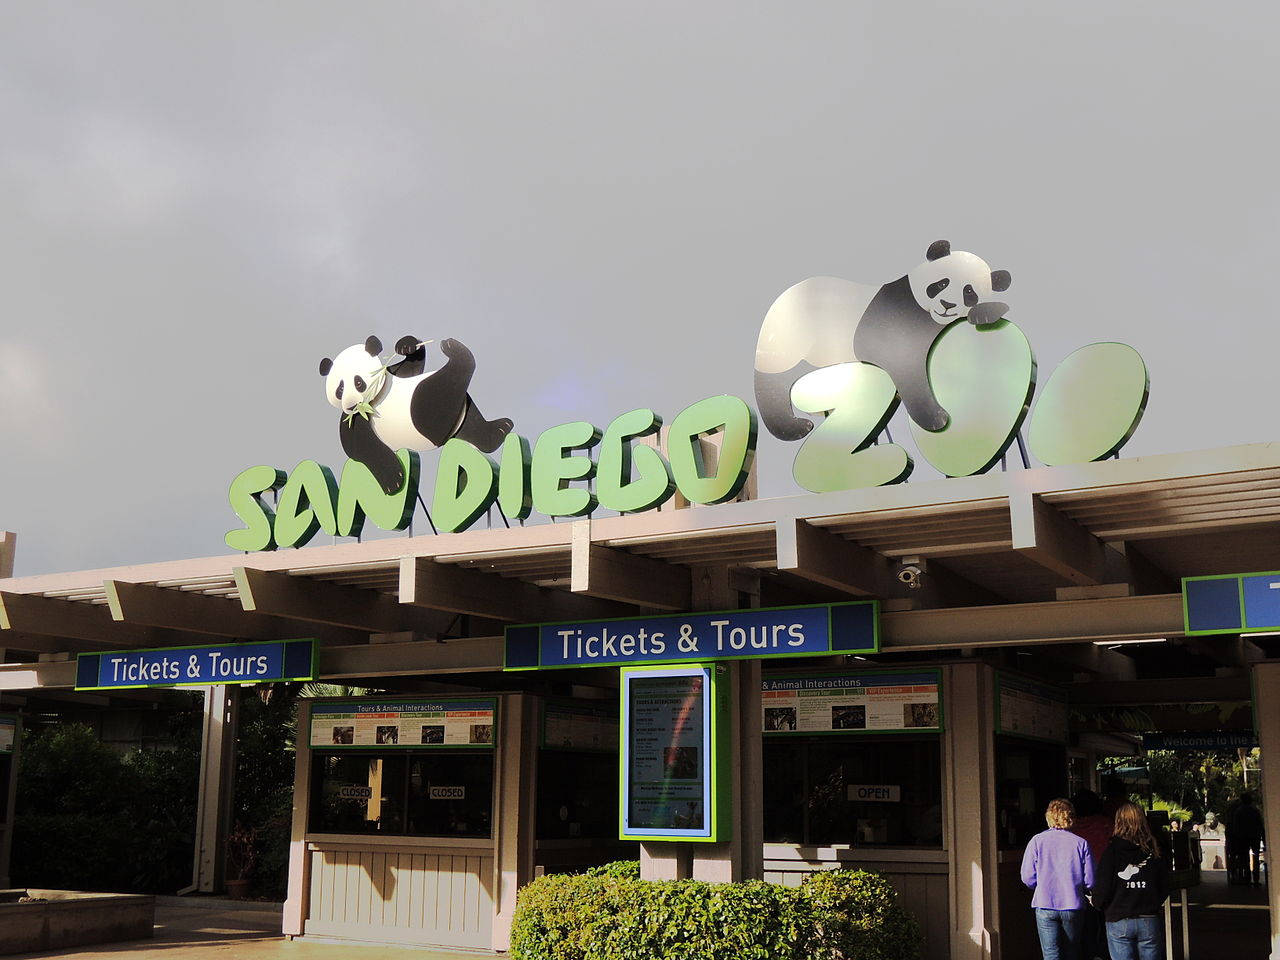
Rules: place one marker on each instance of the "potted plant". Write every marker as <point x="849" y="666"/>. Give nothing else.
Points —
<point x="242" y="854"/>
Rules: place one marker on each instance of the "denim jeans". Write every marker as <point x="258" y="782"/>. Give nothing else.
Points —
<point x="1060" y="933"/>
<point x="1136" y="938"/>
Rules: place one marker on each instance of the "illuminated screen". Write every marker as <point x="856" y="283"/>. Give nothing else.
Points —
<point x="668" y="765"/>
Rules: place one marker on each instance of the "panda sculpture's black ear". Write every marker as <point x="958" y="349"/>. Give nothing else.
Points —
<point x="373" y="346"/>
<point x="325" y="366"/>
<point x="938" y="249"/>
<point x="1000" y="280"/>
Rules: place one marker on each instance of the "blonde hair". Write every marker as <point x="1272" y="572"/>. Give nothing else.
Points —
<point x="1131" y="824"/>
<point x="1060" y="815"/>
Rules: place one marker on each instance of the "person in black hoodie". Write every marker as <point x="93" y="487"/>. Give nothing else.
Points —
<point x="1131" y="887"/>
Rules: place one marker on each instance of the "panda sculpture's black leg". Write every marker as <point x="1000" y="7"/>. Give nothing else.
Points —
<point x="438" y="402"/>
<point x="485" y="435"/>
<point x="922" y="406"/>
<point x="773" y="398"/>
<point x="359" y="442"/>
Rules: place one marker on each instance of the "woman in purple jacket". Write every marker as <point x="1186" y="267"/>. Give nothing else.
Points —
<point x="1058" y="867"/>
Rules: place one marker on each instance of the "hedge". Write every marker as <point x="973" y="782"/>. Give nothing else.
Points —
<point x="610" y="914"/>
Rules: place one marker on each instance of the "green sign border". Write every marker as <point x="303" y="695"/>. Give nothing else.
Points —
<point x="913" y="731"/>
<point x="721" y="809"/>
<point x="702" y="658"/>
<point x="492" y="745"/>
<point x="315" y="665"/>
<point x="1244" y="620"/>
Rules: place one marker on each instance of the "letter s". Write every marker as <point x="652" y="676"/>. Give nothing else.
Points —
<point x="246" y="500"/>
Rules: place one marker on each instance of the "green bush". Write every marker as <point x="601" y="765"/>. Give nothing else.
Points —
<point x="610" y="914"/>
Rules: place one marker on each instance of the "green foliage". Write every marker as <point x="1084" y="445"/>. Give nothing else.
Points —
<point x="1193" y="783"/>
<point x="88" y="818"/>
<point x="610" y="914"/>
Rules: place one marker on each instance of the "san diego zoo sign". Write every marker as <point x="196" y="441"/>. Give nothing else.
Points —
<point x="834" y="360"/>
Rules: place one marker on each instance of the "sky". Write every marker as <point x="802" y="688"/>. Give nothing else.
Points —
<point x="198" y="202"/>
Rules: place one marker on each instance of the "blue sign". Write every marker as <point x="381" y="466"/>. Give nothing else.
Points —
<point x="735" y="634"/>
<point x="1238" y="603"/>
<point x="197" y="666"/>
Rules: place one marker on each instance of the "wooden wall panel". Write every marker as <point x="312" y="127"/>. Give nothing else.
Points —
<point x="404" y="895"/>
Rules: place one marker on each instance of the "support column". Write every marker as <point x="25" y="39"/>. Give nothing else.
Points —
<point x="1266" y="716"/>
<point x="8" y="799"/>
<point x="217" y="783"/>
<point x="969" y="813"/>
<point x="516" y="792"/>
<point x="297" y="905"/>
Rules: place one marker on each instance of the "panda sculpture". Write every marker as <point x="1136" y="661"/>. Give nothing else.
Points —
<point x="387" y="407"/>
<point x="823" y="321"/>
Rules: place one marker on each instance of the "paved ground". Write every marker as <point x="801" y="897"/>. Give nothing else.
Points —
<point x="205" y="932"/>
<point x="1226" y="922"/>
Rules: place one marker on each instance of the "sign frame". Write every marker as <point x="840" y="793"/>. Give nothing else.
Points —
<point x="491" y="746"/>
<point x="83" y="659"/>
<point x="698" y="657"/>
<point x="716" y="749"/>
<point x="1004" y="676"/>
<point x="16" y="720"/>
<point x="935" y="672"/>
<point x="1243" y="626"/>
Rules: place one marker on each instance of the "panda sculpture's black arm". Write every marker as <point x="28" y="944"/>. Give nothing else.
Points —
<point x="896" y="335"/>
<point x="359" y="442"/>
<point x="441" y="407"/>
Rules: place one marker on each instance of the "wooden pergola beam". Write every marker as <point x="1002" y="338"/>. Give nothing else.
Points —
<point x="821" y="557"/>
<point x="145" y="604"/>
<point x="607" y="573"/>
<point x="335" y="604"/>
<point x="426" y="583"/>
<point x="1056" y="542"/>
<point x="28" y="613"/>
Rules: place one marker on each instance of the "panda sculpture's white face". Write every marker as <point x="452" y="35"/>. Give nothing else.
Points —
<point x="356" y="376"/>
<point x="950" y="286"/>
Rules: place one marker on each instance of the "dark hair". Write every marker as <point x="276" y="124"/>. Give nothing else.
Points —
<point x="1131" y="824"/>
<point x="1086" y="803"/>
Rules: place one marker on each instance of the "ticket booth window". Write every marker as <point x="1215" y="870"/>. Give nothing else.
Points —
<point x="577" y="795"/>
<point x="435" y="794"/>
<point x="862" y="791"/>
<point x="1028" y="775"/>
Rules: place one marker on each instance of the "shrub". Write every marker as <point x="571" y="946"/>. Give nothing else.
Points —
<point x="610" y="914"/>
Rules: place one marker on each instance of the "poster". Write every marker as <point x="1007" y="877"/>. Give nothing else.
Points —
<point x="1028" y="709"/>
<point x="668" y="753"/>
<point x="853" y="703"/>
<point x="8" y="733"/>
<point x="580" y="726"/>
<point x="403" y="723"/>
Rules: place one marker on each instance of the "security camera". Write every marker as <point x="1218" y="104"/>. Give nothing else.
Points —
<point x="910" y="576"/>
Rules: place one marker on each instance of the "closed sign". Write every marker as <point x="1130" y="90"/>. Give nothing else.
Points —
<point x="355" y="793"/>
<point x="448" y="793"/>
<point x="876" y="792"/>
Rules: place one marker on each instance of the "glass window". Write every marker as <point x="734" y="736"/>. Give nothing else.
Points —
<point x="577" y="795"/>
<point x="450" y="794"/>
<point x="808" y="797"/>
<point x="402" y="793"/>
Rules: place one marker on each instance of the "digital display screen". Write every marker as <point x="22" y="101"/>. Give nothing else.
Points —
<point x="668" y="759"/>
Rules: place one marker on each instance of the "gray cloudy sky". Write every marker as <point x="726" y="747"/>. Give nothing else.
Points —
<point x="198" y="201"/>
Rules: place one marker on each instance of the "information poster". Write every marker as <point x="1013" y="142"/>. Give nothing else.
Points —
<point x="1029" y="709"/>
<point x="8" y="733"/>
<point x="670" y="758"/>
<point x="853" y="703"/>
<point x="580" y="726"/>
<point x="403" y="723"/>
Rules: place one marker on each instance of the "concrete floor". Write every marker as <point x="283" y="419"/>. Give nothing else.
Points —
<point x="205" y="930"/>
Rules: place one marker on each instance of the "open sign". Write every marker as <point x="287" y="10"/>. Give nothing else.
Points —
<point x="875" y="792"/>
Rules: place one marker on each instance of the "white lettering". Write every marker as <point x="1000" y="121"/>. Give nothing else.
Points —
<point x="796" y="630"/>
<point x="564" y="636"/>
<point x="719" y="625"/>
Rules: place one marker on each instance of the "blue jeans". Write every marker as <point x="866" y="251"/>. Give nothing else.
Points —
<point x="1136" y="938"/>
<point x="1060" y="933"/>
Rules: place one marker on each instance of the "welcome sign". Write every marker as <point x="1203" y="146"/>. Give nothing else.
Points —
<point x="834" y="361"/>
